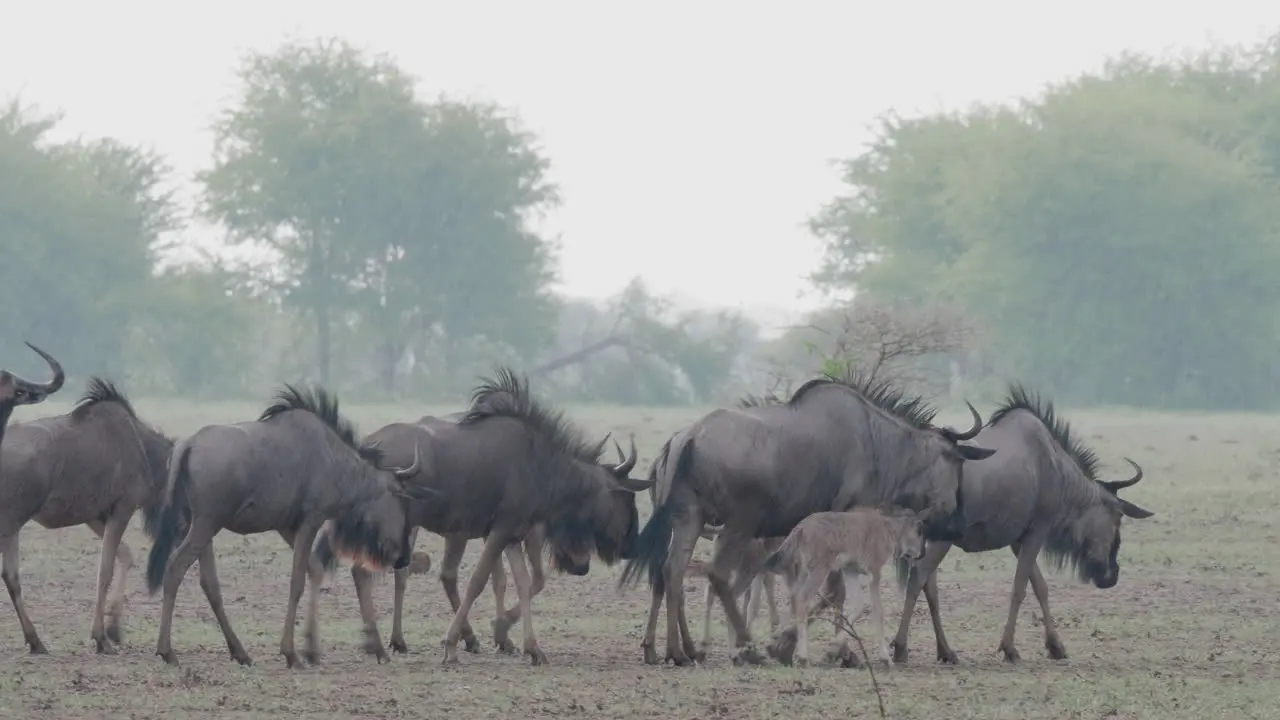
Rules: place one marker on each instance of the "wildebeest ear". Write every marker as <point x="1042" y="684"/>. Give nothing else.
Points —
<point x="1133" y="511"/>
<point x="973" y="452"/>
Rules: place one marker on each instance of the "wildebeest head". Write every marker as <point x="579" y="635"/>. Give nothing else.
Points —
<point x="374" y="532"/>
<point x="937" y="490"/>
<point x="606" y="524"/>
<point x="910" y="534"/>
<point x="1096" y="532"/>
<point x="16" y="391"/>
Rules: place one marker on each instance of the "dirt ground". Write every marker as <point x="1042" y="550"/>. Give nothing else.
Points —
<point x="1188" y="632"/>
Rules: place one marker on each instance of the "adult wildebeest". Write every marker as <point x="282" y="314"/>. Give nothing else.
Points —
<point x="397" y="441"/>
<point x="510" y="464"/>
<point x="1039" y="492"/>
<point x="854" y="543"/>
<point x="758" y="471"/>
<point x="92" y="466"/>
<point x="291" y="470"/>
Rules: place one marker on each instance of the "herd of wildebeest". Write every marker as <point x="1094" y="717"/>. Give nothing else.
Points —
<point x="821" y="489"/>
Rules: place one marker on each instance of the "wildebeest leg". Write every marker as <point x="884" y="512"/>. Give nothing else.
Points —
<point x="454" y="547"/>
<point x="112" y="533"/>
<point x="493" y="546"/>
<point x="524" y="590"/>
<point x="729" y="548"/>
<point x="803" y="589"/>
<point x="116" y="599"/>
<point x="301" y="543"/>
<point x="877" y="617"/>
<point x="503" y="623"/>
<point x="401" y="579"/>
<point x="1026" y="561"/>
<point x="651" y="626"/>
<point x="502" y="629"/>
<point x="709" y="603"/>
<point x="687" y="528"/>
<point x="1052" y="642"/>
<point x="783" y="644"/>
<point x="840" y="651"/>
<point x="363" y="580"/>
<point x="945" y="654"/>
<point x="923" y="568"/>
<point x="767" y="584"/>
<point x="199" y="536"/>
<point x="13" y="584"/>
<point x="213" y="593"/>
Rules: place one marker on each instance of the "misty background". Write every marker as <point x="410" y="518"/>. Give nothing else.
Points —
<point x="645" y="204"/>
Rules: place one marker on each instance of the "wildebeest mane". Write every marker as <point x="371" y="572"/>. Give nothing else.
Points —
<point x="912" y="409"/>
<point x="508" y="396"/>
<point x="750" y="401"/>
<point x="100" y="390"/>
<point x="1020" y="398"/>
<point x="324" y="405"/>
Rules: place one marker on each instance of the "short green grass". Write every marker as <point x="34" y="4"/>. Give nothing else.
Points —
<point x="1188" y="632"/>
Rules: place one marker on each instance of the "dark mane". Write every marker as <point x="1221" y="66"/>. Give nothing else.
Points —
<point x="100" y="391"/>
<point x="911" y="409"/>
<point x="508" y="396"/>
<point x="1019" y="398"/>
<point x="750" y="401"/>
<point x="324" y="405"/>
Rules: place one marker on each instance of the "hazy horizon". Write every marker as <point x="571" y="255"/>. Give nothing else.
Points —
<point x="673" y="135"/>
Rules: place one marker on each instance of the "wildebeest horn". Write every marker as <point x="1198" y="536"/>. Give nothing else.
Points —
<point x="599" y="448"/>
<point x="956" y="436"/>
<point x="627" y="463"/>
<point x="1115" y="486"/>
<point x="43" y="388"/>
<point x="403" y="473"/>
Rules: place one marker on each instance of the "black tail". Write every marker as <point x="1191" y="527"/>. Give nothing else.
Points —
<point x="172" y="518"/>
<point x="323" y="552"/>
<point x="654" y="543"/>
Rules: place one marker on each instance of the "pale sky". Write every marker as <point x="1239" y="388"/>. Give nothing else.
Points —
<point x="690" y="140"/>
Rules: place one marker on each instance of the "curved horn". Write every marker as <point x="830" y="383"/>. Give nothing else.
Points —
<point x="956" y="436"/>
<point x="633" y="485"/>
<point x="1115" y="486"/>
<point x="624" y="467"/>
<point x="599" y="447"/>
<point x="44" y="388"/>
<point x="403" y="473"/>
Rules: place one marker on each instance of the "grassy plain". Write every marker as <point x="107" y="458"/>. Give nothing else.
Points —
<point x="1190" y="631"/>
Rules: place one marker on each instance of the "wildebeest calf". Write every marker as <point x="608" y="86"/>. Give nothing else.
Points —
<point x="855" y="542"/>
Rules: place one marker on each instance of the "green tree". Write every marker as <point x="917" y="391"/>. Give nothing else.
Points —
<point x="1117" y="236"/>
<point x="80" y="226"/>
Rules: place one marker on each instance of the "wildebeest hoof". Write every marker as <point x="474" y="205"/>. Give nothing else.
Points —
<point x="781" y="650"/>
<point x="398" y="645"/>
<point x="748" y="655"/>
<point x="650" y="655"/>
<point x="900" y="652"/>
<point x="536" y="656"/>
<point x="946" y="656"/>
<point x="505" y="646"/>
<point x="170" y="657"/>
<point x="1056" y="651"/>
<point x="450" y="654"/>
<point x="844" y="656"/>
<point x="312" y="656"/>
<point x="1011" y="654"/>
<point x="104" y="646"/>
<point x="699" y="655"/>
<point x="471" y="643"/>
<point x="800" y="662"/>
<point x="291" y="660"/>
<point x="679" y="659"/>
<point x="114" y="634"/>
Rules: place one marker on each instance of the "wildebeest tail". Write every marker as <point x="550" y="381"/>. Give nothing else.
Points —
<point x="323" y="551"/>
<point x="172" y="516"/>
<point x="782" y="558"/>
<point x="654" y="543"/>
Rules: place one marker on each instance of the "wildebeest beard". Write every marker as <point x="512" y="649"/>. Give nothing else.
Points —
<point x="362" y="544"/>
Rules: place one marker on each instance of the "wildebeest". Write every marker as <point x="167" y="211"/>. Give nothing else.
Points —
<point x="92" y="466"/>
<point x="510" y="464"/>
<point x="1039" y="492"/>
<point x="398" y="441"/>
<point x="854" y="542"/>
<point x="758" y="471"/>
<point x="291" y="470"/>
